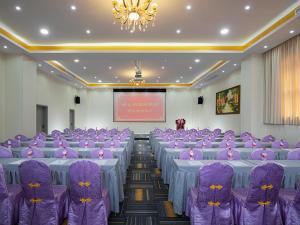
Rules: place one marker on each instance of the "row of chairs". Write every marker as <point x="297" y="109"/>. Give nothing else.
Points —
<point x="37" y="202"/>
<point x="33" y="152"/>
<point x="232" y="154"/>
<point x="214" y="201"/>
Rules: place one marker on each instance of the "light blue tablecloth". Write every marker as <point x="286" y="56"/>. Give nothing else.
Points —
<point x="184" y="175"/>
<point x="60" y="167"/>
<point x="119" y="153"/>
<point x="168" y="154"/>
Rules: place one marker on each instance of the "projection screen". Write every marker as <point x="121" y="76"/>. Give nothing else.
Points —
<point x="139" y="105"/>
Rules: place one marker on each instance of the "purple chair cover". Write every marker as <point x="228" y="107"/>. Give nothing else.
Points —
<point x="21" y="137"/>
<point x="87" y="144"/>
<point x="5" y="152"/>
<point x="211" y="201"/>
<point x="89" y="201"/>
<point x="9" y="201"/>
<point x="101" y="154"/>
<point x="67" y="153"/>
<point x="259" y="203"/>
<point x="112" y="144"/>
<point x="290" y="205"/>
<point x="32" y="152"/>
<point x="41" y="202"/>
<point x="176" y="144"/>
<point x="253" y="143"/>
<point x="294" y="155"/>
<point x="190" y="138"/>
<point x="268" y="138"/>
<point x="263" y="154"/>
<point x="192" y="154"/>
<point x="99" y="138"/>
<point x="60" y="144"/>
<point x="227" y="144"/>
<point x="12" y="143"/>
<point x="203" y="144"/>
<point x="297" y="145"/>
<point x="280" y="144"/>
<point x="39" y="143"/>
<point x="228" y="154"/>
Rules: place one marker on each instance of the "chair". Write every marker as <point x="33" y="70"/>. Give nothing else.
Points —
<point x="41" y="202"/>
<point x="12" y="143"/>
<point x="290" y="205"/>
<point x="39" y="143"/>
<point x="203" y="144"/>
<point x="268" y="138"/>
<point x="262" y="154"/>
<point x="176" y="144"/>
<point x="227" y="144"/>
<point x="67" y="153"/>
<point x="280" y="144"/>
<point x="211" y="201"/>
<point x="5" y="152"/>
<point x="192" y="154"/>
<point x="21" y="137"/>
<point x="228" y="154"/>
<point x="87" y="144"/>
<point x="101" y="154"/>
<point x="297" y="145"/>
<point x="99" y="138"/>
<point x="32" y="152"/>
<point x="89" y="201"/>
<point x="9" y="201"/>
<point x="259" y="204"/>
<point x="294" y="155"/>
<point x="252" y="143"/>
<point x="60" y="144"/>
<point x="112" y="144"/>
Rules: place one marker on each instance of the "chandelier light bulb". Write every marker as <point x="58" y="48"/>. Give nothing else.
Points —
<point x="134" y="16"/>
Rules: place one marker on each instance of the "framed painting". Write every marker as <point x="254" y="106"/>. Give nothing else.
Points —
<point x="228" y="101"/>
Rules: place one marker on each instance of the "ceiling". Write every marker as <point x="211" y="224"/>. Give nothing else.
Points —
<point x="107" y="54"/>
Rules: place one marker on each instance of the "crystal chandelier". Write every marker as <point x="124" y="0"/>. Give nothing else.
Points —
<point x="138" y="79"/>
<point x="134" y="13"/>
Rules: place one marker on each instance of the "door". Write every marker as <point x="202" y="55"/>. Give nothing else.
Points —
<point x="72" y="119"/>
<point x="41" y="119"/>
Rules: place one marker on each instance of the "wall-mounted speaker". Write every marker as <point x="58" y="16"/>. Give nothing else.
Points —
<point x="200" y="100"/>
<point x="77" y="100"/>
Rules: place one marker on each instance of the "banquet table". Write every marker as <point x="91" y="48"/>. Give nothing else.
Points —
<point x="119" y="153"/>
<point x="60" y="168"/>
<point x="168" y="154"/>
<point x="184" y="175"/>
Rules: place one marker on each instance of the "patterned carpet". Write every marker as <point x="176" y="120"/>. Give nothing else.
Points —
<point x="146" y="197"/>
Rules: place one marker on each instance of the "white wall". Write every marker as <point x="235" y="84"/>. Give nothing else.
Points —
<point x="207" y="114"/>
<point x="2" y="96"/>
<point x="180" y="103"/>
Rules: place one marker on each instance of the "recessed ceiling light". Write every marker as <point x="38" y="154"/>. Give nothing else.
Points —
<point x="224" y="31"/>
<point x="292" y="31"/>
<point x="266" y="46"/>
<point x="197" y="60"/>
<point x="158" y="77"/>
<point x="162" y="67"/>
<point x="18" y="8"/>
<point x="116" y="77"/>
<point x="5" y="46"/>
<point x="178" y="31"/>
<point x="99" y="81"/>
<point x="76" y="60"/>
<point x="88" y="31"/>
<point x="44" y="31"/>
<point x="223" y="71"/>
<point x="190" y="68"/>
<point x="177" y="81"/>
<point x="247" y="7"/>
<point x="235" y="64"/>
<point x="84" y="67"/>
<point x="95" y="77"/>
<point x="181" y="77"/>
<point x="188" y="7"/>
<point x="110" y="67"/>
<point x="51" y="71"/>
<point x="39" y="65"/>
<point x="73" y="7"/>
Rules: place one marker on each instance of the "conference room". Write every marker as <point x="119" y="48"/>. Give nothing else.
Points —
<point x="150" y="112"/>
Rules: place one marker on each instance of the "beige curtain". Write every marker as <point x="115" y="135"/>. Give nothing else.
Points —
<point x="282" y="83"/>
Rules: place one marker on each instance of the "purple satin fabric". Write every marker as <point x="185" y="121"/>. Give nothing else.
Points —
<point x="268" y="138"/>
<point x="248" y="211"/>
<point x="5" y="152"/>
<point x="87" y="144"/>
<point x="191" y="155"/>
<point x="13" y="143"/>
<point x="101" y="154"/>
<point x="9" y="201"/>
<point x="21" y="137"/>
<point x="39" y="143"/>
<point x="203" y="144"/>
<point x="60" y="143"/>
<point x="176" y="144"/>
<point x="294" y="155"/>
<point x="263" y="154"/>
<point x="198" y="208"/>
<point x="297" y="145"/>
<point x="253" y="144"/>
<point x="227" y="144"/>
<point x="32" y="152"/>
<point x="112" y="144"/>
<point x="51" y="210"/>
<point x="228" y="154"/>
<point x="97" y="209"/>
<point x="68" y="153"/>
<point x="280" y="144"/>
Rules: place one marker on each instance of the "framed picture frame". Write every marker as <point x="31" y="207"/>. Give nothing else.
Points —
<point x="228" y="101"/>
